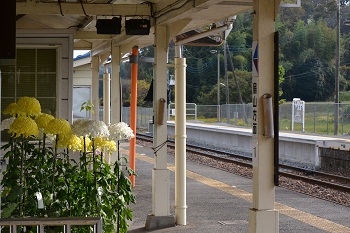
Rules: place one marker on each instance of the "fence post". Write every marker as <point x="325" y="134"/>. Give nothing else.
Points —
<point x="67" y="228"/>
<point x="234" y="115"/>
<point x="218" y="111"/>
<point x="195" y="111"/>
<point x="292" y="117"/>
<point x="228" y="114"/>
<point x="314" y="118"/>
<point x="327" y="121"/>
<point x="342" y="118"/>
<point x="13" y="228"/>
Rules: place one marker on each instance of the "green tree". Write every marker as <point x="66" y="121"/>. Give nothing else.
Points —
<point x="281" y="72"/>
<point x="308" y="59"/>
<point x="208" y="94"/>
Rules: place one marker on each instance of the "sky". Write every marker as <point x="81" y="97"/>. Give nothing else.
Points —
<point x="79" y="52"/>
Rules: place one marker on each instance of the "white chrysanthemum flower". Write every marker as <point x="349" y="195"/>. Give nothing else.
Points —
<point x="98" y="129"/>
<point x="120" y="131"/>
<point x="80" y="127"/>
<point x="87" y="127"/>
<point x="5" y="124"/>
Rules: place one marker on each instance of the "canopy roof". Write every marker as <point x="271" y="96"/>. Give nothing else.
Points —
<point x="79" y="17"/>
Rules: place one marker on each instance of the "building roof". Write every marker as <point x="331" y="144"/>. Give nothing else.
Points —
<point x="85" y="55"/>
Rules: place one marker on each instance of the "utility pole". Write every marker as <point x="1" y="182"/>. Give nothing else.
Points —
<point x="237" y="85"/>
<point x="234" y="75"/>
<point x="227" y="87"/>
<point x="218" y="93"/>
<point x="337" y="72"/>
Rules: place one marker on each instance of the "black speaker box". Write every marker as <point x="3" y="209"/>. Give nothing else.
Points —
<point x="109" y="26"/>
<point x="8" y="29"/>
<point x="137" y="27"/>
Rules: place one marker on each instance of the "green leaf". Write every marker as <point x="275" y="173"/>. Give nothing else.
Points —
<point x="7" y="212"/>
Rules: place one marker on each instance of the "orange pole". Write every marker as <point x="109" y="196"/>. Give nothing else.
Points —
<point x="133" y="108"/>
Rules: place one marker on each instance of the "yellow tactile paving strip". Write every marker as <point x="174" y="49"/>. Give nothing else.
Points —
<point x="304" y="217"/>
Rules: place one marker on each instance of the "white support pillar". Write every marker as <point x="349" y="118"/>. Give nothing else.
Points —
<point x="94" y="86"/>
<point x="116" y="103"/>
<point x="107" y="98"/>
<point x="160" y="216"/>
<point x="180" y="138"/>
<point x="263" y="217"/>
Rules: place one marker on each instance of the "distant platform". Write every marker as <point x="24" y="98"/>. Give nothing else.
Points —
<point x="312" y="151"/>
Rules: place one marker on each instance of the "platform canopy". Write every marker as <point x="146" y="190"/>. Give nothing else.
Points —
<point x="79" y="18"/>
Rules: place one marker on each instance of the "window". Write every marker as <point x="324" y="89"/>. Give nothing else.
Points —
<point x="80" y="95"/>
<point x="34" y="75"/>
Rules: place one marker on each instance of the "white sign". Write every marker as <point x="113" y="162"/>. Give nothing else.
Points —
<point x="298" y="112"/>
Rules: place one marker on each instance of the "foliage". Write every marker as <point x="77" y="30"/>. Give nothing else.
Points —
<point x="281" y="79"/>
<point x="344" y="96"/>
<point x="310" y="49"/>
<point x="209" y="95"/>
<point x="145" y="75"/>
<point x="43" y="180"/>
<point x="142" y="90"/>
<point x="87" y="106"/>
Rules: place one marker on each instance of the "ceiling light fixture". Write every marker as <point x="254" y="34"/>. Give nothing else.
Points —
<point x="137" y="26"/>
<point x="109" y="26"/>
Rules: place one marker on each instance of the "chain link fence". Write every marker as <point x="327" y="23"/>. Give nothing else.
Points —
<point x="319" y="117"/>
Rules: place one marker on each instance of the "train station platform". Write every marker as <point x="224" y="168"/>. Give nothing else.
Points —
<point x="303" y="149"/>
<point x="219" y="201"/>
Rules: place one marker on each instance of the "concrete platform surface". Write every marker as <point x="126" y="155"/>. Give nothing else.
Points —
<point x="218" y="201"/>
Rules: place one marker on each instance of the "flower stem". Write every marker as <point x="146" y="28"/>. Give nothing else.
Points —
<point x="44" y="149"/>
<point x="93" y="168"/>
<point x="21" y="181"/>
<point x="54" y="167"/>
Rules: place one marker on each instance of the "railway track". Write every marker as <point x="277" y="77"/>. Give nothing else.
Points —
<point x="331" y="181"/>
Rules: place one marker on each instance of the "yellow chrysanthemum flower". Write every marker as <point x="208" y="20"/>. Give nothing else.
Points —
<point x="43" y="119"/>
<point x="99" y="143"/>
<point x="63" y="140"/>
<point x="111" y="146"/>
<point x="105" y="144"/>
<point x="74" y="143"/>
<point x="28" y="106"/>
<point x="24" y="126"/>
<point x="88" y="144"/>
<point x="11" y="109"/>
<point x="58" y="126"/>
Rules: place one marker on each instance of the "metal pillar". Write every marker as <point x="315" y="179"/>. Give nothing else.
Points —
<point x="133" y="109"/>
<point x="116" y="96"/>
<point x="218" y="110"/>
<point x="263" y="217"/>
<point x="94" y="86"/>
<point x="227" y="86"/>
<point x="180" y="138"/>
<point x="107" y="98"/>
<point x="337" y="73"/>
<point x="160" y="217"/>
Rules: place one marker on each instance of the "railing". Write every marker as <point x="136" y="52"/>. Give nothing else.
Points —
<point x="40" y="223"/>
<point x="191" y="111"/>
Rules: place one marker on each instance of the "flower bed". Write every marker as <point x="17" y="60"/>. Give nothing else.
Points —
<point x="42" y="180"/>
